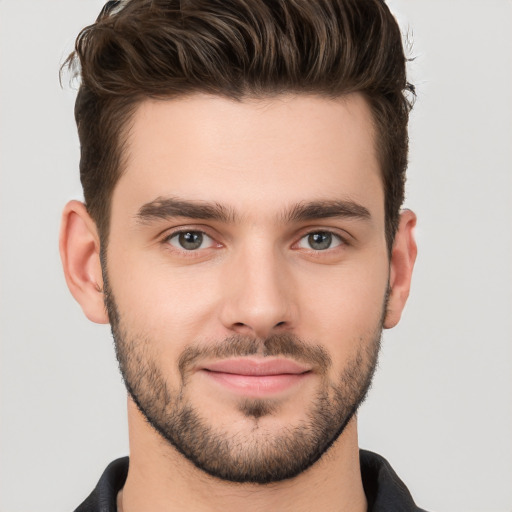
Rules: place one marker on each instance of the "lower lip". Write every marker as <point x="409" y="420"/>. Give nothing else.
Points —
<point x="257" y="385"/>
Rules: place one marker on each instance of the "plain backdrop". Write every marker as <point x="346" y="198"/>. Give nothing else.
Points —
<point x="441" y="405"/>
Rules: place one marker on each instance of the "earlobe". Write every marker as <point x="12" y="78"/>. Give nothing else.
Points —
<point x="79" y="246"/>
<point x="403" y="257"/>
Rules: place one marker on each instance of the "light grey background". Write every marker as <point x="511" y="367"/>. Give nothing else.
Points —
<point x="441" y="406"/>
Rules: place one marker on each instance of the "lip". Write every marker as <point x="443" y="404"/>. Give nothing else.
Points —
<point x="257" y="367"/>
<point x="256" y="378"/>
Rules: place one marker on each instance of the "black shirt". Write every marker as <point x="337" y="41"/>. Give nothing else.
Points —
<point x="385" y="492"/>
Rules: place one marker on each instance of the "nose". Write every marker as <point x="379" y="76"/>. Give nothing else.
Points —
<point x="258" y="293"/>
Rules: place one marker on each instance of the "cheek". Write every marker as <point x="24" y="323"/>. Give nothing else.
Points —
<point x="344" y="307"/>
<point x="337" y="306"/>
<point x="169" y="306"/>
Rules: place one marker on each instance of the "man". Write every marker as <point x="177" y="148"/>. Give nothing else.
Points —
<point x="243" y="166"/>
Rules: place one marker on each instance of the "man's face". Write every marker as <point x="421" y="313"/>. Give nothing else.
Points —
<point x="247" y="276"/>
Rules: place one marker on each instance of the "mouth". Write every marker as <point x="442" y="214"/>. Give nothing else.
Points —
<point x="256" y="378"/>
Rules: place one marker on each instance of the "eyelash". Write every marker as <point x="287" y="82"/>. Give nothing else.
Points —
<point x="335" y="238"/>
<point x="342" y="241"/>
<point x="188" y="252"/>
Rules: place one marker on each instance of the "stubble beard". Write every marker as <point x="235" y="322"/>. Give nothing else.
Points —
<point x="256" y="456"/>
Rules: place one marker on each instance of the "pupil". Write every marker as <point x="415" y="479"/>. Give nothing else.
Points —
<point x="191" y="240"/>
<point x="320" y="241"/>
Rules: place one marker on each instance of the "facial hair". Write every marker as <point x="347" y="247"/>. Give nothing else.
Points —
<point x="253" y="456"/>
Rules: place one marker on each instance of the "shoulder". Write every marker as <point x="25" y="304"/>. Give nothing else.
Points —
<point x="384" y="490"/>
<point x="103" y="497"/>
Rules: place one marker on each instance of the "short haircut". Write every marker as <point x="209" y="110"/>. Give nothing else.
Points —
<point x="237" y="49"/>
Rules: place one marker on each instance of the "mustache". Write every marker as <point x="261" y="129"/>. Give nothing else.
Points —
<point x="285" y="344"/>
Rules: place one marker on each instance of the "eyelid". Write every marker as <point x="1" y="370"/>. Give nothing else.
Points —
<point x="345" y="238"/>
<point x="184" y="228"/>
<point x="166" y="235"/>
<point x="336" y="238"/>
<point x="206" y="239"/>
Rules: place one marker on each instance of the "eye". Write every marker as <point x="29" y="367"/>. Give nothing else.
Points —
<point x="190" y="240"/>
<point x="320" y="241"/>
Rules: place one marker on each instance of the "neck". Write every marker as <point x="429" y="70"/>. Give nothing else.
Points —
<point x="160" y="479"/>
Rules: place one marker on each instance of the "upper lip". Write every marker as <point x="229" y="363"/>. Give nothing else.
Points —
<point x="257" y="367"/>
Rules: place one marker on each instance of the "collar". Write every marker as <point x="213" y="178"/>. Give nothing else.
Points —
<point x="384" y="490"/>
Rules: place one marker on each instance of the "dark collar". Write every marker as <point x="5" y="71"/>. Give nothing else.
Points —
<point x="384" y="491"/>
<point x="383" y="488"/>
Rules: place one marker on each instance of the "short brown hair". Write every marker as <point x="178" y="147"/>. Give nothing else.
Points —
<point x="141" y="49"/>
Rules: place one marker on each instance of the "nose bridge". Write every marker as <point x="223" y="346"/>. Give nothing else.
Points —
<point x="260" y="296"/>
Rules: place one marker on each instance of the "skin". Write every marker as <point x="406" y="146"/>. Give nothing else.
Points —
<point x="256" y="275"/>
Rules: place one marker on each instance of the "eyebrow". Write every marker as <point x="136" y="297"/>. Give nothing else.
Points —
<point x="327" y="209"/>
<point x="165" y="208"/>
<point x="169" y="207"/>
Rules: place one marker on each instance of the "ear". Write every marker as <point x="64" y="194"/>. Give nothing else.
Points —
<point x="403" y="257"/>
<point x="79" y="246"/>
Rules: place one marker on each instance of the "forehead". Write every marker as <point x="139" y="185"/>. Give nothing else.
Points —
<point x="255" y="154"/>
